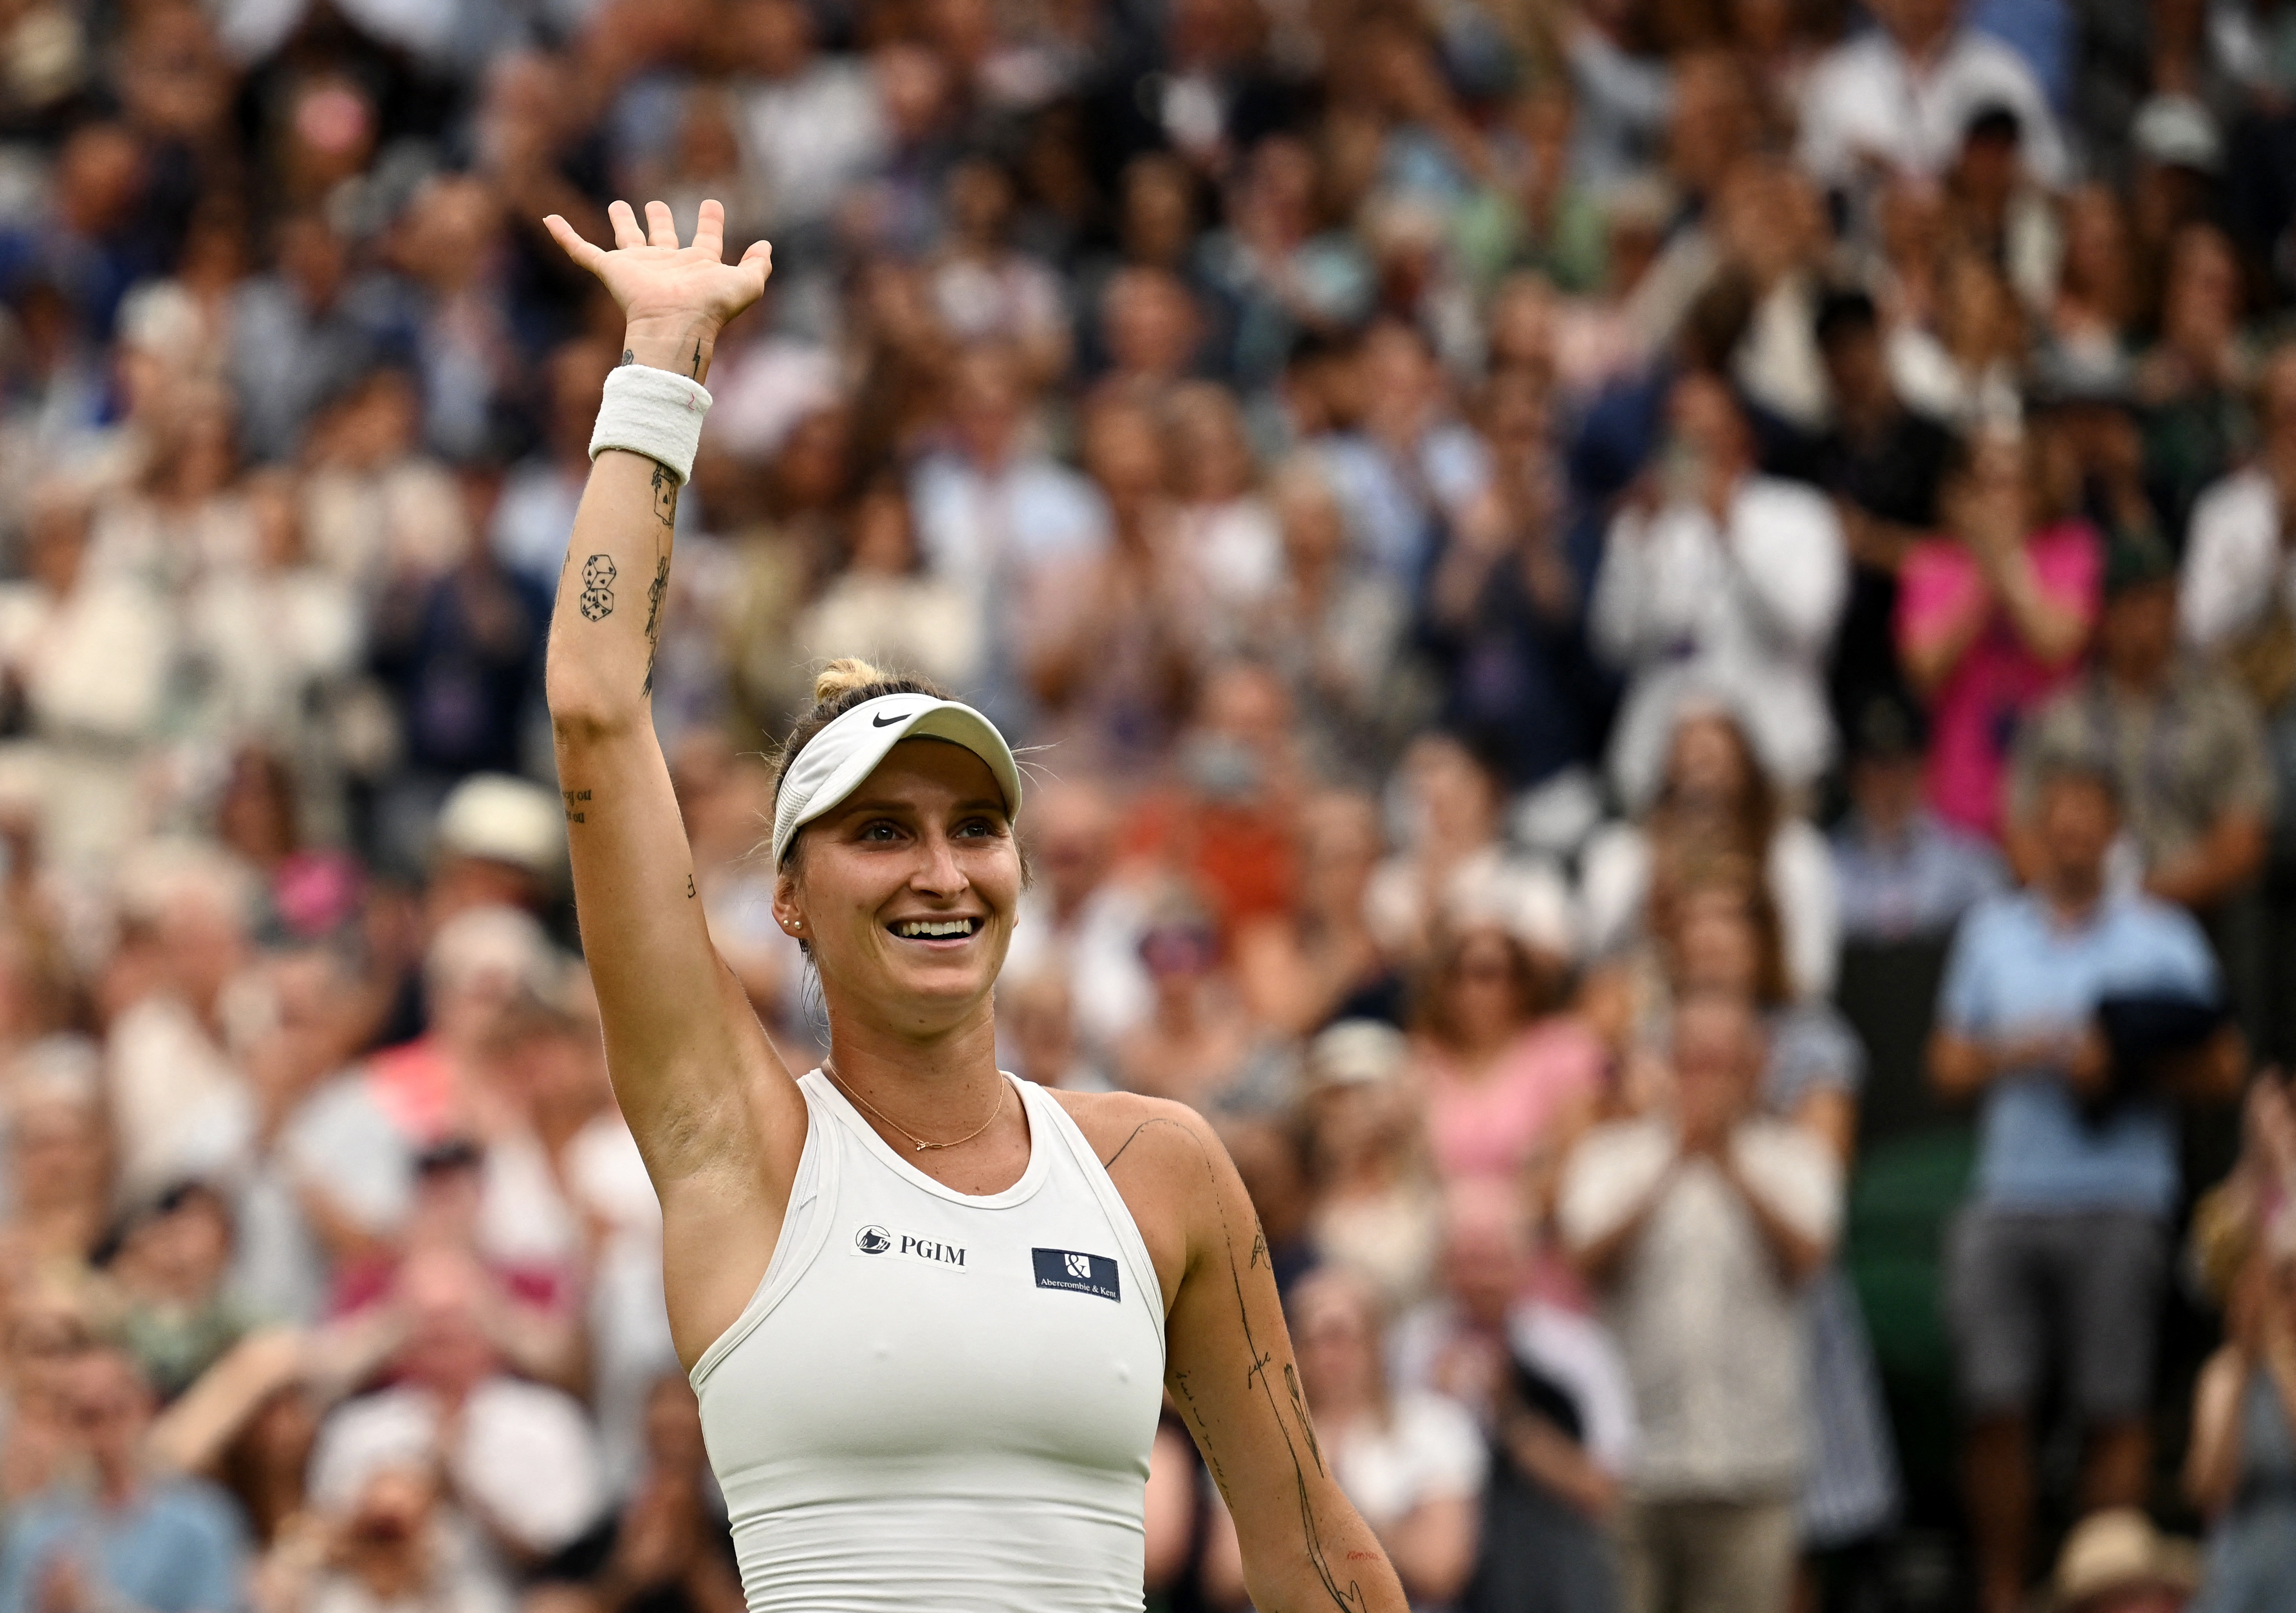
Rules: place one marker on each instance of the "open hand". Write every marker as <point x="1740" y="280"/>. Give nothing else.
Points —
<point x="676" y="299"/>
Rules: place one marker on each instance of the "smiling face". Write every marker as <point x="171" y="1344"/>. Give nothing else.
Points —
<point x="906" y="891"/>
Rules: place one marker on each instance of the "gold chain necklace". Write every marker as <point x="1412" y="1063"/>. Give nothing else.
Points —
<point x="919" y="1144"/>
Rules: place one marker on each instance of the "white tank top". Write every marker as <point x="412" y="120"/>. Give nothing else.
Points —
<point x="938" y="1401"/>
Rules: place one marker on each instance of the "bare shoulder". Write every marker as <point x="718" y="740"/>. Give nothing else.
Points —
<point x="1168" y="1166"/>
<point x="1126" y="1129"/>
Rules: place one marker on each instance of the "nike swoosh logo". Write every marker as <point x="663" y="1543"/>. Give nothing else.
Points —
<point x="887" y="722"/>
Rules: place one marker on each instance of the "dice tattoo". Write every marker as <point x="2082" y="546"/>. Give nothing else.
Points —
<point x="598" y="587"/>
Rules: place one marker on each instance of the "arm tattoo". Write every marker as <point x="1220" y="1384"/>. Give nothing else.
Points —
<point x="665" y="496"/>
<point x="576" y="813"/>
<point x="1349" y="1598"/>
<point x="654" y="592"/>
<point x="598" y="576"/>
<point x="697" y="361"/>
<point x="628" y="357"/>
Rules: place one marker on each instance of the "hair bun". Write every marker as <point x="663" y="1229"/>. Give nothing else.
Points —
<point x="845" y="675"/>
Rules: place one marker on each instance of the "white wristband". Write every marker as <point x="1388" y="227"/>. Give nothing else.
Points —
<point x="655" y="413"/>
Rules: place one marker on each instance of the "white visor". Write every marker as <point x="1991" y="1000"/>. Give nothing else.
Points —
<point x="836" y="761"/>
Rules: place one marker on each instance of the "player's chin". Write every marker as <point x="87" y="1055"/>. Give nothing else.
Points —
<point x="960" y="973"/>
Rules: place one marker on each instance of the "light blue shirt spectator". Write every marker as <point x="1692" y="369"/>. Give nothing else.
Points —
<point x="2017" y="971"/>
<point x="175" y="1547"/>
<point x="1918" y="882"/>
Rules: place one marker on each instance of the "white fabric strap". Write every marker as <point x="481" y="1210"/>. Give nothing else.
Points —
<point x="651" y="412"/>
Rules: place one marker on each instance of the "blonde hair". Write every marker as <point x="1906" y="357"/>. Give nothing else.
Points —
<point x="844" y="676"/>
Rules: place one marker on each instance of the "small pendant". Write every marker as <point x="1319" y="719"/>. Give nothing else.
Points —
<point x="922" y="1146"/>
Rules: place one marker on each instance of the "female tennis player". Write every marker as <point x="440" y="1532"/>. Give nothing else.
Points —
<point x="931" y="1311"/>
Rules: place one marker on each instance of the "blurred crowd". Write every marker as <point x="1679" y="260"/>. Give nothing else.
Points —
<point x="1657" y="640"/>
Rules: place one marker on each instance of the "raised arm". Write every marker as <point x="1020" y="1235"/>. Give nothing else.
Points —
<point x="712" y="1109"/>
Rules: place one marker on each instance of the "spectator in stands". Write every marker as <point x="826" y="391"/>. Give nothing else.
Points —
<point x="2194" y="380"/>
<point x="1545" y="1382"/>
<point x="168" y="1263"/>
<point x="1378" y="1207"/>
<point x="2181" y="739"/>
<point x="395" y="1541"/>
<point x="59" y="1158"/>
<point x="2236" y="605"/>
<point x="1899" y="870"/>
<point x="1882" y="463"/>
<point x="1992" y="619"/>
<point x="669" y="1549"/>
<point x="1411" y="1461"/>
<point x="522" y="1456"/>
<point x="994" y="511"/>
<point x="2242" y="1463"/>
<point x="2239" y="581"/>
<point x="1899" y="97"/>
<point x="1083" y="917"/>
<point x="1503" y="1074"/>
<point x="1320" y="963"/>
<point x="1454" y="860"/>
<point x="2066" y="1234"/>
<point x="1699" y="1225"/>
<point x="1713" y="803"/>
<point x="1196" y="1045"/>
<point x="1724" y="937"/>
<point x="1718" y="579"/>
<point x="168" y="1545"/>
<point x="1507" y="600"/>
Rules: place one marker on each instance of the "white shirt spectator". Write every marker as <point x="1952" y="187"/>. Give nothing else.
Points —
<point x="630" y="1345"/>
<point x="812" y="135"/>
<point x="1745" y="613"/>
<point x="2236" y="565"/>
<point x="1428" y="1449"/>
<point x="927" y="623"/>
<point x="1868" y="101"/>
<point x="1098" y="951"/>
<point x="1570" y="1348"/>
<point x="1523" y="894"/>
<point x="180" y="1107"/>
<point x="340" y="1145"/>
<point x="1712" y="1333"/>
<point x="526" y="1455"/>
<point x="761" y="391"/>
<point x="1614" y="873"/>
<point x="1578" y="1353"/>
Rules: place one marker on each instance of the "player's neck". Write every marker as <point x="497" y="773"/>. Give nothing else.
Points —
<point x="925" y="1071"/>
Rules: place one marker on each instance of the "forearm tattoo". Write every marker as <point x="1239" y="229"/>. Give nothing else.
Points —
<point x="576" y="810"/>
<point x="598" y="576"/>
<point x="1347" y="1597"/>
<point x="655" y="592"/>
<point x="665" y="496"/>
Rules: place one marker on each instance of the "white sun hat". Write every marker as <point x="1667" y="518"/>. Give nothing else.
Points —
<point x="836" y="761"/>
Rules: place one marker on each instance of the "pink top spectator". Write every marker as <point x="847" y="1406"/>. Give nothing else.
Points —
<point x="1975" y="712"/>
<point x="1491" y="1127"/>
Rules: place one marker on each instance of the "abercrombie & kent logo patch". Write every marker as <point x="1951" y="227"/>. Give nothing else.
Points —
<point x="1078" y="1274"/>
